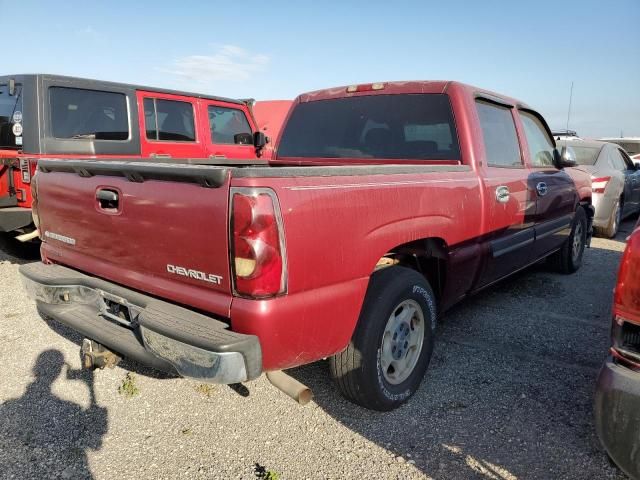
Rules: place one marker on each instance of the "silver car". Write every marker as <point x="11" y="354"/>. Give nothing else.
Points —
<point x="615" y="181"/>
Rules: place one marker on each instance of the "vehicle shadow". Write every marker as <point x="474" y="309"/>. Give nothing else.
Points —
<point x="14" y="251"/>
<point x="44" y="436"/>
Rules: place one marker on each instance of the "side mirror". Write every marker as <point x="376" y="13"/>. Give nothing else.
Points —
<point x="565" y="159"/>
<point x="259" y="140"/>
<point x="636" y="164"/>
<point x="243" y="139"/>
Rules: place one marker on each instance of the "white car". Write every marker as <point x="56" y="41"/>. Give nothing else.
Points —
<point x="615" y="180"/>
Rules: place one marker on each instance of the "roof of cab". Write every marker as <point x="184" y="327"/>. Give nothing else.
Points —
<point x="410" y="87"/>
<point x="97" y="84"/>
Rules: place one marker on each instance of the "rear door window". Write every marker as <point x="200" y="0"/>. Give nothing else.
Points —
<point x="225" y="123"/>
<point x="499" y="134"/>
<point x="88" y="114"/>
<point x="169" y="120"/>
<point x="411" y="126"/>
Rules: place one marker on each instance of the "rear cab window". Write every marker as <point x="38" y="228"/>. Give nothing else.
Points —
<point x="169" y="125"/>
<point x="10" y="114"/>
<point x="80" y="114"/>
<point x="401" y="126"/>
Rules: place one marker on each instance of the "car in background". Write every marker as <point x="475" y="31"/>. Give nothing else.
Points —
<point x="57" y="116"/>
<point x="615" y="181"/>
<point x="617" y="400"/>
<point x="565" y="135"/>
<point x="630" y="144"/>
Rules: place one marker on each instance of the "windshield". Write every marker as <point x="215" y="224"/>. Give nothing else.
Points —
<point x="10" y="113"/>
<point x="407" y="126"/>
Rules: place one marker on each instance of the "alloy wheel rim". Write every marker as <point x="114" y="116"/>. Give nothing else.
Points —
<point x="402" y="342"/>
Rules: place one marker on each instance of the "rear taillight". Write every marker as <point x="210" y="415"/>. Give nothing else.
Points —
<point x="626" y="307"/>
<point x="598" y="185"/>
<point x="25" y="170"/>
<point x="257" y="240"/>
<point x="34" y="203"/>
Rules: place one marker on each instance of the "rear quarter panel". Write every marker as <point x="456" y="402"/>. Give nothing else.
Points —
<point x="336" y="229"/>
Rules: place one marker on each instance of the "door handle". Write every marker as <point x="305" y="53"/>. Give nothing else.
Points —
<point x="160" y="155"/>
<point x="217" y="156"/>
<point x="542" y="189"/>
<point x="502" y="194"/>
<point x="108" y="199"/>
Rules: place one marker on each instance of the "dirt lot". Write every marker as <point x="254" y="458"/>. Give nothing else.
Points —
<point x="508" y="395"/>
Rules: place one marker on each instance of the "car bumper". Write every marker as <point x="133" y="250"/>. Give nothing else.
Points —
<point x="153" y="332"/>
<point x="13" y="218"/>
<point x="604" y="205"/>
<point x="617" y="415"/>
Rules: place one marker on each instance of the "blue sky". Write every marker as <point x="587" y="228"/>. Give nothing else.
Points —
<point x="531" y="50"/>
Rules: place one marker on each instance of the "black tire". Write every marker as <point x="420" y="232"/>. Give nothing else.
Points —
<point x="566" y="260"/>
<point x="611" y="230"/>
<point x="357" y="370"/>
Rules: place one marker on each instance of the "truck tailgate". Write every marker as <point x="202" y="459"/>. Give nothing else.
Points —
<point x="158" y="228"/>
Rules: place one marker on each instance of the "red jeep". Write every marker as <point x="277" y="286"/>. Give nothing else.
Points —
<point x="48" y="115"/>
<point x="384" y="205"/>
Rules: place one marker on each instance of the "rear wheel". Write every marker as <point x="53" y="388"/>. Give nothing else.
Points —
<point x="569" y="258"/>
<point x="614" y="223"/>
<point x="392" y="344"/>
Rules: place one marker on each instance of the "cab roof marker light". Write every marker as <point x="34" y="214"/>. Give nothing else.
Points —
<point x="365" y="87"/>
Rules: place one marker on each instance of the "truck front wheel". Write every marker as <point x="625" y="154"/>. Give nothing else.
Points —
<point x="393" y="341"/>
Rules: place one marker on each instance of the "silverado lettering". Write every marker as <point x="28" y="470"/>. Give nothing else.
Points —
<point x="383" y="205"/>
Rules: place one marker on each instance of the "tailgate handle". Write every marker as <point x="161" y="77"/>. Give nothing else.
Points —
<point x="108" y="199"/>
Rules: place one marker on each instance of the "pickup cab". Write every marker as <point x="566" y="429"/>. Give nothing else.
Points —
<point x="384" y="204"/>
<point x="51" y="115"/>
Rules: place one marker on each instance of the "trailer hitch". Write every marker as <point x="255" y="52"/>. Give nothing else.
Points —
<point x="95" y="355"/>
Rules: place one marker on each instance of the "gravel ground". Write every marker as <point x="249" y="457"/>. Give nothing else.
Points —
<point x="508" y="395"/>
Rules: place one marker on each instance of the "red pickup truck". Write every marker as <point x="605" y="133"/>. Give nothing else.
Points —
<point x="383" y="206"/>
<point x="52" y="115"/>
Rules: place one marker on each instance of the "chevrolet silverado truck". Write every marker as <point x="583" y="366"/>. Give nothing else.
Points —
<point x="43" y="115"/>
<point x="384" y="204"/>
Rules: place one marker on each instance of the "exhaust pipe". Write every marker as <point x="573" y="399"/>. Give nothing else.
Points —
<point x="25" y="237"/>
<point x="289" y="385"/>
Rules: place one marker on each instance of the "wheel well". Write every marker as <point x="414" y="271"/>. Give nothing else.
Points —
<point x="427" y="256"/>
<point x="588" y="208"/>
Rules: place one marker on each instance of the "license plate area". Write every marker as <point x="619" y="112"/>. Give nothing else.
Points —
<point x="117" y="310"/>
